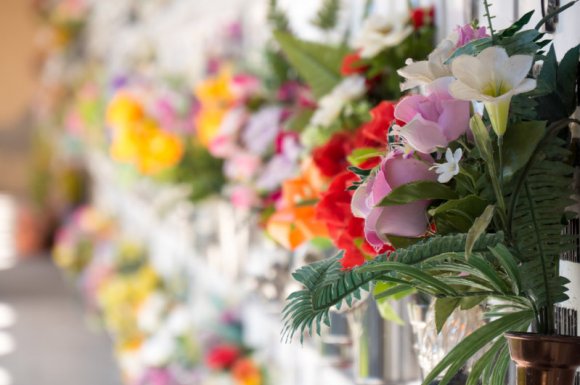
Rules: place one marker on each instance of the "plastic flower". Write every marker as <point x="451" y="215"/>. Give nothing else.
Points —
<point x="330" y="158"/>
<point x="434" y="120"/>
<point x="374" y="133"/>
<point x="295" y="222"/>
<point x="222" y="356"/>
<point x="124" y="109"/>
<point x="492" y="77"/>
<point x="330" y="106"/>
<point x="246" y="372"/>
<point x="425" y="71"/>
<point x="450" y="168"/>
<point x="352" y="65"/>
<point x="379" y="32"/>
<point x="262" y="129"/>
<point x="408" y="220"/>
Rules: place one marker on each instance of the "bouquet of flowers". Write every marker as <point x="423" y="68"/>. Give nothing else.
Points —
<point x="471" y="193"/>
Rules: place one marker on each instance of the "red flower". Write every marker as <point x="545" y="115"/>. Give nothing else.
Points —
<point x="346" y="231"/>
<point x="222" y="356"/>
<point x="421" y="17"/>
<point x="374" y="133"/>
<point x="352" y="65"/>
<point x="331" y="157"/>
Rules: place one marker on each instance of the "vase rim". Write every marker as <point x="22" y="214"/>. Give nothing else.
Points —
<point x="527" y="336"/>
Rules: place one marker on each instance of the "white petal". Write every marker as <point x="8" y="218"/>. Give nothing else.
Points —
<point x="525" y="86"/>
<point x="516" y="69"/>
<point x="417" y="73"/>
<point x="448" y="155"/>
<point x="457" y="155"/>
<point x="493" y="57"/>
<point x="462" y="91"/>
<point x="444" y="178"/>
<point x="471" y="71"/>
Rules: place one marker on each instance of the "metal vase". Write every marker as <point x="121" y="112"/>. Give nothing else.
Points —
<point x="543" y="359"/>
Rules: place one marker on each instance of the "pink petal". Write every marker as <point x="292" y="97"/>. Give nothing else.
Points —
<point x="408" y="220"/>
<point x="454" y="118"/>
<point x="408" y="107"/>
<point x="424" y="136"/>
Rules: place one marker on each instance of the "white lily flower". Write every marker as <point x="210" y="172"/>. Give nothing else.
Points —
<point x="379" y="32"/>
<point x="330" y="106"/>
<point x="450" y="168"/>
<point x="492" y="77"/>
<point x="425" y="71"/>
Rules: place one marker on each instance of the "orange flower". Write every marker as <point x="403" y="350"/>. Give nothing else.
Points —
<point x="295" y="222"/>
<point x="245" y="372"/>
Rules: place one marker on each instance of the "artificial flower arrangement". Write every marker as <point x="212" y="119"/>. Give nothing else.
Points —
<point x="472" y="193"/>
<point x="226" y="354"/>
<point x="76" y="239"/>
<point x="243" y="123"/>
<point x="152" y="130"/>
<point x="355" y="95"/>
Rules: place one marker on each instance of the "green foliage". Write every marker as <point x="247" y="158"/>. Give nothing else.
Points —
<point x="317" y="64"/>
<point x="326" y="284"/>
<point x="519" y="142"/>
<point x="556" y="91"/>
<point x="277" y="18"/>
<point x="416" y="191"/>
<point x="199" y="170"/>
<point x="457" y="215"/>
<point x="537" y="203"/>
<point x="477" y="340"/>
<point x="327" y="16"/>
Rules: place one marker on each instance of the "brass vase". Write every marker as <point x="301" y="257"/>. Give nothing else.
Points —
<point x="544" y="359"/>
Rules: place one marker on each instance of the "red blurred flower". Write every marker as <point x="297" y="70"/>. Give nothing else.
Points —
<point x="421" y="17"/>
<point x="222" y="356"/>
<point x="352" y="65"/>
<point x="330" y="158"/>
<point x="374" y="133"/>
<point x="346" y="231"/>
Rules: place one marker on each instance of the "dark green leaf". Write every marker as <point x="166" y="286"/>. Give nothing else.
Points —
<point x="519" y="143"/>
<point x="416" y="191"/>
<point x="443" y="309"/>
<point x="479" y="227"/>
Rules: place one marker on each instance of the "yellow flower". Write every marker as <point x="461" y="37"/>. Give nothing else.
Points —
<point x="216" y="97"/>
<point x="124" y="109"/>
<point x="216" y="90"/>
<point x="208" y="122"/>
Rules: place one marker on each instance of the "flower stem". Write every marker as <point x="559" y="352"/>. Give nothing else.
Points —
<point x="489" y="17"/>
<point x="500" y="159"/>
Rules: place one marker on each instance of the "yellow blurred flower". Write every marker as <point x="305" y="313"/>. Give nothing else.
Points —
<point x="124" y="109"/>
<point x="138" y="139"/>
<point x="216" y="97"/>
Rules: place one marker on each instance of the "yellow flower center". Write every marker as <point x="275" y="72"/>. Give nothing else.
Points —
<point x="496" y="88"/>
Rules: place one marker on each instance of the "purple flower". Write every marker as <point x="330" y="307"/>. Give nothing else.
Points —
<point x="262" y="129"/>
<point x="408" y="220"/>
<point x="467" y="33"/>
<point x="434" y="120"/>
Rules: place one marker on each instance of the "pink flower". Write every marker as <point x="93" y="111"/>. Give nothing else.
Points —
<point x="434" y="120"/>
<point x="242" y="166"/>
<point x="243" y="196"/>
<point x="408" y="220"/>
<point x="245" y="86"/>
<point x="467" y="33"/>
